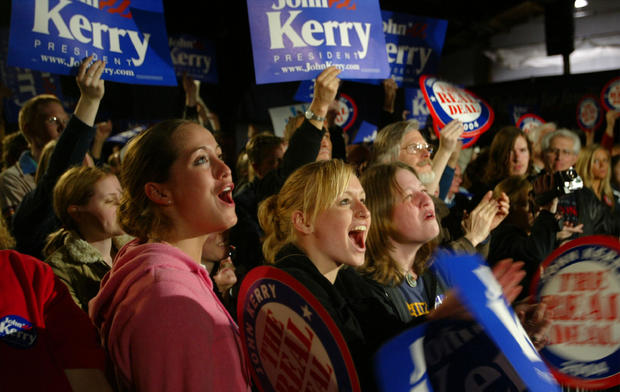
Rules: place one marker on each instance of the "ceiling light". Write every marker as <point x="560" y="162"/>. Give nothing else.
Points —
<point x="581" y="3"/>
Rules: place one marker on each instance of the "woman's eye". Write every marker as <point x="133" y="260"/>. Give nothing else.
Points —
<point x="344" y="202"/>
<point x="200" y="160"/>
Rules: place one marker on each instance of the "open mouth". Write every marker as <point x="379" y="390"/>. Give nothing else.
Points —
<point x="226" y="195"/>
<point x="429" y="215"/>
<point x="357" y="236"/>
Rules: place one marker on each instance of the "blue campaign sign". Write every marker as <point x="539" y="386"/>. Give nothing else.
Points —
<point x="289" y="339"/>
<point x="448" y="102"/>
<point x="297" y="39"/>
<point x="23" y="83"/>
<point x="413" y="45"/>
<point x="193" y="56"/>
<point x="481" y="293"/>
<point x="367" y="133"/>
<point x="444" y="356"/>
<point x="589" y="113"/>
<point x="529" y="121"/>
<point x="610" y="94"/>
<point x="305" y="91"/>
<point x="416" y="105"/>
<point x="130" y="35"/>
<point x="580" y="283"/>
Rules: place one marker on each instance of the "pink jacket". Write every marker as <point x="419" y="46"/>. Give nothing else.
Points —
<point x="164" y="327"/>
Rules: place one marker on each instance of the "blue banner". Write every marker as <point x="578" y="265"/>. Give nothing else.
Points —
<point x="367" y="133"/>
<point x="305" y="91"/>
<point x="130" y="35"/>
<point x="193" y="56"/>
<point x="24" y="83"/>
<point x="481" y="293"/>
<point x="297" y="39"/>
<point x="445" y="355"/>
<point x="413" y="45"/>
<point x="416" y="105"/>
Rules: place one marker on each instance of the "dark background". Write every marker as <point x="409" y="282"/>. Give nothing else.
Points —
<point x="239" y="101"/>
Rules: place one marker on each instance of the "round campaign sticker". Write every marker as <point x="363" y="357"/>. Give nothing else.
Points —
<point x="290" y="340"/>
<point x="529" y="121"/>
<point x="17" y="332"/>
<point x="589" y="114"/>
<point x="610" y="95"/>
<point x="447" y="102"/>
<point x="346" y="110"/>
<point x="580" y="282"/>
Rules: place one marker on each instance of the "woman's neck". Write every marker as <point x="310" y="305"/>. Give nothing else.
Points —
<point x="404" y="255"/>
<point x="192" y="246"/>
<point x="597" y="187"/>
<point x="105" y="248"/>
<point x="326" y="266"/>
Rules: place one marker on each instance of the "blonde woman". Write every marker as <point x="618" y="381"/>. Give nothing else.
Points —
<point x="593" y="165"/>
<point x="315" y="230"/>
<point x="81" y="252"/>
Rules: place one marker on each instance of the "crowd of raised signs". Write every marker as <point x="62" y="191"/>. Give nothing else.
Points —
<point x="123" y="271"/>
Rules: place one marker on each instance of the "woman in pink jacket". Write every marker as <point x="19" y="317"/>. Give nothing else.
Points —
<point x="160" y="320"/>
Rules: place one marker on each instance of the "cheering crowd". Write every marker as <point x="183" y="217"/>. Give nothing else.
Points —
<point x="143" y="252"/>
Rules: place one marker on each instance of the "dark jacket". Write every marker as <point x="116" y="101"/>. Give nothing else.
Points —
<point x="596" y="216"/>
<point x="293" y="261"/>
<point x="303" y="148"/>
<point x="34" y="219"/>
<point x="510" y="241"/>
<point x="246" y="234"/>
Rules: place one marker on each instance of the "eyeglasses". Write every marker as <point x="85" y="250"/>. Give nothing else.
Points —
<point x="417" y="148"/>
<point x="56" y="120"/>
<point x="557" y="151"/>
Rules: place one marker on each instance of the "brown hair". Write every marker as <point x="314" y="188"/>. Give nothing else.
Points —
<point x="258" y="146"/>
<point x="13" y="145"/>
<point x="74" y="187"/>
<point x="148" y="159"/>
<point x="379" y="183"/>
<point x="310" y="189"/>
<point x="518" y="189"/>
<point x="497" y="167"/>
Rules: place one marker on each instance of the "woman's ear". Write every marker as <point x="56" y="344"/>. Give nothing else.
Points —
<point x="74" y="212"/>
<point x="157" y="193"/>
<point x="301" y="224"/>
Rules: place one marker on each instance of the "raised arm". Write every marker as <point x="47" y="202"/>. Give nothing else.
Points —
<point x="448" y="142"/>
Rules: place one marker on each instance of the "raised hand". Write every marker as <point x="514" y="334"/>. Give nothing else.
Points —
<point x="509" y="274"/>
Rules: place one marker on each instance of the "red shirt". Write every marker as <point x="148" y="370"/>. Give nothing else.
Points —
<point x="42" y="331"/>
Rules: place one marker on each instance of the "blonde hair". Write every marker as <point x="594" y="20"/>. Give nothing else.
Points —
<point x="74" y="187"/>
<point x="584" y="168"/>
<point x="310" y="189"/>
<point x="381" y="187"/>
